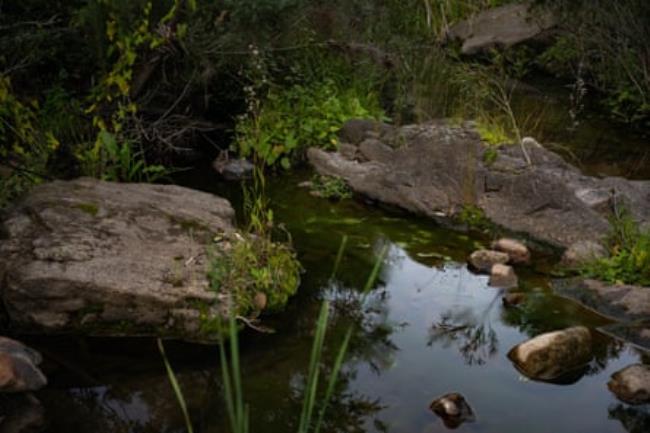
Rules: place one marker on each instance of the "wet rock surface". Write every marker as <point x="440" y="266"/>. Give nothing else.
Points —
<point x="19" y="371"/>
<point x="632" y="384"/>
<point x="517" y="251"/>
<point x="552" y="355"/>
<point x="484" y="260"/>
<point x="453" y="409"/>
<point x="618" y="301"/>
<point x="503" y="276"/>
<point x="583" y="252"/>
<point x="628" y="305"/>
<point x="438" y="168"/>
<point x="99" y="258"/>
<point x="502" y="27"/>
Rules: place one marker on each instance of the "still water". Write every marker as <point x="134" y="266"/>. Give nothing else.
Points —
<point x="429" y="327"/>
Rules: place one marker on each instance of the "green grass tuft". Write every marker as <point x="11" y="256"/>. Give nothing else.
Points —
<point x="629" y="262"/>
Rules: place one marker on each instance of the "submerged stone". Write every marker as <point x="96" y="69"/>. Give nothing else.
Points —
<point x="484" y="260"/>
<point x="632" y="384"/>
<point x="503" y="276"/>
<point x="453" y="409"/>
<point x="517" y="251"/>
<point x="552" y="355"/>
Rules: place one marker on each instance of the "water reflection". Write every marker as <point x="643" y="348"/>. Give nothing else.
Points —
<point x="473" y="336"/>
<point x="420" y="333"/>
<point x="633" y="419"/>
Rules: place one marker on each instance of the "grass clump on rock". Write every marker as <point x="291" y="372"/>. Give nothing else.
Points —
<point x="255" y="264"/>
<point x="629" y="260"/>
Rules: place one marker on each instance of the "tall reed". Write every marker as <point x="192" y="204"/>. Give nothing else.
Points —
<point x="311" y="420"/>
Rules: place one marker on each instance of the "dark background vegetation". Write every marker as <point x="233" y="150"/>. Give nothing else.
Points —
<point x="125" y="89"/>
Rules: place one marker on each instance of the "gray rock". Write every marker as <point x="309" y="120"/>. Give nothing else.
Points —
<point x="583" y="252"/>
<point x="503" y="276"/>
<point x="453" y="409"/>
<point x="617" y="301"/>
<point x="234" y="169"/>
<point x="100" y="258"/>
<point x="483" y="260"/>
<point x="552" y="355"/>
<point x="19" y="370"/>
<point x="516" y="250"/>
<point x="437" y="169"/>
<point x="502" y="27"/>
<point x="356" y="130"/>
<point x="632" y="384"/>
<point x="636" y="334"/>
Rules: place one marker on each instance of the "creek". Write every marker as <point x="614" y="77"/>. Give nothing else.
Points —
<point x="429" y="327"/>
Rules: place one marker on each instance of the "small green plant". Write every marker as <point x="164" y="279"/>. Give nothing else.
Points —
<point x="629" y="260"/>
<point x="113" y="161"/>
<point x="291" y="120"/>
<point x="255" y="264"/>
<point x="331" y="187"/>
<point x="492" y="132"/>
<point x="474" y="218"/>
<point x="490" y="155"/>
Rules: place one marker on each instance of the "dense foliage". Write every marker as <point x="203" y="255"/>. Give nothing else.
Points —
<point x="118" y="88"/>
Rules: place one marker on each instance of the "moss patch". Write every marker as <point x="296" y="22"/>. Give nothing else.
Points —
<point x="89" y="208"/>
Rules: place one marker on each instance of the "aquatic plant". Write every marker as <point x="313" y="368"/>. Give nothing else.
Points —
<point x="330" y="187"/>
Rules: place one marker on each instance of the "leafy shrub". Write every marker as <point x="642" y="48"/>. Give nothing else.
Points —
<point x="291" y="120"/>
<point x="256" y="264"/>
<point x="629" y="261"/>
<point x="25" y="147"/>
<point x="118" y="162"/>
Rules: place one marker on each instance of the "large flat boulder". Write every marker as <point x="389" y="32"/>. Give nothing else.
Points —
<point x="100" y="258"/>
<point x="503" y="27"/>
<point x="439" y="168"/>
